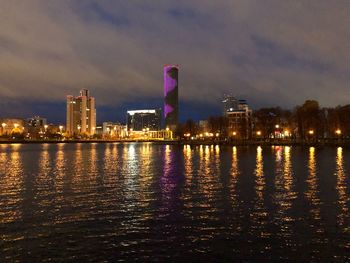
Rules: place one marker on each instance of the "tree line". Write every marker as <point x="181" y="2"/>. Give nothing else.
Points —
<point x="305" y="121"/>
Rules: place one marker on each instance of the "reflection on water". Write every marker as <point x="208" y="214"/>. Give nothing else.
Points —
<point x="259" y="215"/>
<point x="11" y="184"/>
<point x="148" y="202"/>
<point x="343" y="195"/>
<point x="312" y="192"/>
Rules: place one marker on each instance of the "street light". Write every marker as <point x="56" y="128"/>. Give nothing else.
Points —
<point x="234" y="133"/>
<point x="277" y="126"/>
<point x="16" y="125"/>
<point x="311" y="132"/>
<point x="61" y="128"/>
<point x="258" y="133"/>
<point x="338" y="132"/>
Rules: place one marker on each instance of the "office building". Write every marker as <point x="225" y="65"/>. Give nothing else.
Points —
<point x="139" y="120"/>
<point x="36" y="122"/>
<point x="171" y="96"/>
<point x="229" y="103"/>
<point x="239" y="117"/>
<point x="81" y="114"/>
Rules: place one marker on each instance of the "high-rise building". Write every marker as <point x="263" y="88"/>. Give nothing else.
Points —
<point x="230" y="103"/>
<point x="81" y="114"/>
<point x="239" y="117"/>
<point x="138" y="120"/>
<point x="171" y="96"/>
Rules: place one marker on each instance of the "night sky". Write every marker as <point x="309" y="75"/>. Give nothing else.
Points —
<point x="270" y="52"/>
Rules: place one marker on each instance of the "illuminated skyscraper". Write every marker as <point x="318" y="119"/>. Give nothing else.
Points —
<point x="171" y="96"/>
<point x="81" y="114"/>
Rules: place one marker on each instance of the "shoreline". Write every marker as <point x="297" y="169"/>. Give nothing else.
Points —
<point x="328" y="142"/>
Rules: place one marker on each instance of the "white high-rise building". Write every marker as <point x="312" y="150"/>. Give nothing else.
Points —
<point x="81" y="114"/>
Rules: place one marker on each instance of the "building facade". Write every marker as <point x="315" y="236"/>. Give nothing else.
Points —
<point x="139" y="120"/>
<point x="171" y="96"/>
<point x="36" y="122"/>
<point x="239" y="116"/>
<point x="81" y="114"/>
<point x="113" y="130"/>
<point x="11" y="126"/>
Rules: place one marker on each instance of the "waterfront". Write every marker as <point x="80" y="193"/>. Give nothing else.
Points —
<point x="150" y="202"/>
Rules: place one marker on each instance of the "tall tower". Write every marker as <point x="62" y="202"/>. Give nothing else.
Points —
<point x="171" y="96"/>
<point x="81" y="114"/>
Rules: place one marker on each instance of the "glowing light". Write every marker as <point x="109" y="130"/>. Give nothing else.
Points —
<point x="234" y="133"/>
<point x="16" y="125"/>
<point x="3" y="125"/>
<point x="338" y="132"/>
<point x="258" y="133"/>
<point x="132" y="112"/>
<point x="277" y="126"/>
<point x="311" y="132"/>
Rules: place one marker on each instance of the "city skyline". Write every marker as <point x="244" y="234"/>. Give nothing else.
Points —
<point x="246" y="48"/>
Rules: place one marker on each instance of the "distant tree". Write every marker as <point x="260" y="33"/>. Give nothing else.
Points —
<point x="338" y="119"/>
<point x="189" y="126"/>
<point x="218" y="124"/>
<point x="310" y="118"/>
<point x="266" y="119"/>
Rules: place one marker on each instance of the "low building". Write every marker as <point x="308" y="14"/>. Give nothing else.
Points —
<point x="36" y="121"/>
<point x="166" y="134"/>
<point x="10" y="126"/>
<point x="139" y="120"/>
<point x="114" y="130"/>
<point x="36" y="127"/>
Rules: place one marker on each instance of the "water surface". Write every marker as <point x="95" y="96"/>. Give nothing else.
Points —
<point x="145" y="202"/>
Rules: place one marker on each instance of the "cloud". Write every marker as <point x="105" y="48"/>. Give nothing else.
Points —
<point x="271" y="52"/>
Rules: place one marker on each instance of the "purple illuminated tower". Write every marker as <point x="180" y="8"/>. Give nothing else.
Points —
<point x="171" y="96"/>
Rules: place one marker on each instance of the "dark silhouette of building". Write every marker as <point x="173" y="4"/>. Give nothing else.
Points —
<point x="138" y="120"/>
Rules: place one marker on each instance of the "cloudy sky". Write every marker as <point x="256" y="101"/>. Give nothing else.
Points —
<point x="270" y="52"/>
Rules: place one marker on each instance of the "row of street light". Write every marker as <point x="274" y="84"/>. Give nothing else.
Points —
<point x="258" y="133"/>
